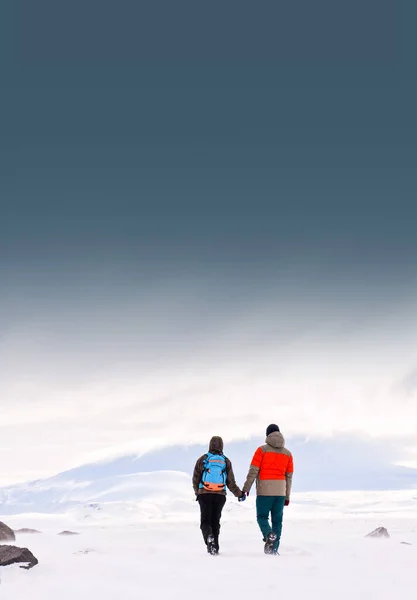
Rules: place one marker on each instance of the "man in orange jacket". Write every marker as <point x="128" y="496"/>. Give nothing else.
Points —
<point x="272" y="467"/>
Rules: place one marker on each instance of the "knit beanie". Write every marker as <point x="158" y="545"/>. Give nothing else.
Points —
<point x="271" y="429"/>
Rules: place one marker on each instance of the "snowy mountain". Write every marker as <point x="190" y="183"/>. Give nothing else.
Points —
<point x="67" y="491"/>
<point x="159" y="483"/>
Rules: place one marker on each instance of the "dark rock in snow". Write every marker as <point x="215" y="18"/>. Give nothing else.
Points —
<point x="6" y="534"/>
<point x="68" y="533"/>
<point x="379" y="532"/>
<point x="10" y="555"/>
<point x="26" y="530"/>
<point x="94" y="506"/>
<point x="86" y="551"/>
<point x="406" y="543"/>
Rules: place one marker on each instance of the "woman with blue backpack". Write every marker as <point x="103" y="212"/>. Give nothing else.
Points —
<point x="213" y="472"/>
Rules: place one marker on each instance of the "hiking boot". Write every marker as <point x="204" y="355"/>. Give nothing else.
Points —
<point x="271" y="538"/>
<point x="211" y="545"/>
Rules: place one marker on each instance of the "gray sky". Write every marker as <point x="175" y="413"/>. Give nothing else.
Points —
<point x="206" y="211"/>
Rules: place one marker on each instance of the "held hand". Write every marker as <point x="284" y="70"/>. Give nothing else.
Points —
<point x="287" y="501"/>
<point x="242" y="497"/>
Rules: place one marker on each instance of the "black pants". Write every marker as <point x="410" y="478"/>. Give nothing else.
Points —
<point x="211" y="506"/>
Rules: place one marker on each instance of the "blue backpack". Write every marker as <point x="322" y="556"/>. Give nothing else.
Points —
<point x="214" y="474"/>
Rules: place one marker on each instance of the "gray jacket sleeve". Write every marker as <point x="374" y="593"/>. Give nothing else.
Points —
<point x="252" y="475"/>
<point x="288" y="476"/>
<point x="253" y="469"/>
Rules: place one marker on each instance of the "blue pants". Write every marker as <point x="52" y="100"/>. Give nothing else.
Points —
<point x="274" y="505"/>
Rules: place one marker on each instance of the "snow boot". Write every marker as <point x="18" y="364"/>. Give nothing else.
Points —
<point x="271" y="538"/>
<point x="211" y="545"/>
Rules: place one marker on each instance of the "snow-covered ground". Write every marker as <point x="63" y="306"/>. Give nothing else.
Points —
<point x="129" y="552"/>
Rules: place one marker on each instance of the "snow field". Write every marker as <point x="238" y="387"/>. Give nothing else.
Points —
<point x="321" y="559"/>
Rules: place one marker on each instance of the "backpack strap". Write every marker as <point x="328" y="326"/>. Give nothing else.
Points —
<point x="224" y="471"/>
<point x="205" y="469"/>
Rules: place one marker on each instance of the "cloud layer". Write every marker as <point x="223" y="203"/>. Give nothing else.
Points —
<point x="169" y="368"/>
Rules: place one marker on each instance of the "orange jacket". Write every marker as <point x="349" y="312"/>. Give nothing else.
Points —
<point x="272" y="466"/>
